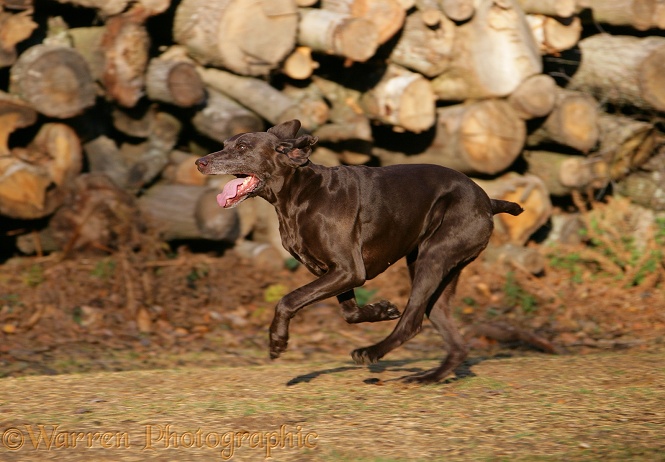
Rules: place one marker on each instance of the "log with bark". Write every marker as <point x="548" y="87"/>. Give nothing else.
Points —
<point x="572" y="122"/>
<point x="136" y="122"/>
<point x="422" y="48"/>
<point x="222" y="118"/>
<point x="338" y="34"/>
<point x="105" y="7"/>
<point x="497" y="34"/>
<point x="635" y="13"/>
<point x="14" y="28"/>
<point x="132" y="166"/>
<point x="627" y="71"/>
<point x="431" y="12"/>
<point x="14" y="113"/>
<point x="181" y="169"/>
<point x="556" y="8"/>
<point x="564" y="173"/>
<point x="386" y="15"/>
<point x="300" y="65"/>
<point x="458" y="10"/>
<point x="401" y="98"/>
<point x="264" y="99"/>
<point x="249" y="37"/>
<point x="32" y="178"/>
<point x="482" y="137"/>
<point x="104" y="158"/>
<point x="56" y="147"/>
<point x="531" y="193"/>
<point x="626" y="143"/>
<point x="55" y="80"/>
<point x="347" y="121"/>
<point x="154" y="153"/>
<point x="96" y="216"/>
<point x="188" y="212"/>
<point x="18" y="5"/>
<point x="88" y="42"/>
<point x="125" y="45"/>
<point x="646" y="186"/>
<point x="25" y="191"/>
<point x="535" y="97"/>
<point x="172" y="78"/>
<point x="555" y="34"/>
<point x="659" y="15"/>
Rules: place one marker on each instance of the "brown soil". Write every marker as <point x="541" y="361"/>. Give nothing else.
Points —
<point x="592" y="407"/>
<point x="138" y="310"/>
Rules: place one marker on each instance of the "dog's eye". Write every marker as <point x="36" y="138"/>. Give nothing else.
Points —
<point x="242" y="147"/>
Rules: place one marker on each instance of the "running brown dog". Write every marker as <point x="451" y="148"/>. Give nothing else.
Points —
<point x="348" y="224"/>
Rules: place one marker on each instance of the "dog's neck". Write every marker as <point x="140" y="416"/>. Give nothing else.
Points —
<point x="294" y="182"/>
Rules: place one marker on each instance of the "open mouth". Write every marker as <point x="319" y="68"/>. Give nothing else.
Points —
<point x="236" y="191"/>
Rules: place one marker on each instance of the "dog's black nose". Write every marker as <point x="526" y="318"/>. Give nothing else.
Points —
<point x="202" y="162"/>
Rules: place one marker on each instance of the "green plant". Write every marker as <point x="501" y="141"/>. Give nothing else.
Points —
<point x="363" y="295"/>
<point x="572" y="262"/>
<point x="10" y="300"/>
<point x="619" y="242"/>
<point x="274" y="292"/>
<point x="33" y="276"/>
<point x="291" y="264"/>
<point x="515" y="295"/>
<point x="104" y="269"/>
<point x="196" y="274"/>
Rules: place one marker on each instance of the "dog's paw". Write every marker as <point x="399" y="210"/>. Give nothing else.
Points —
<point x="364" y="356"/>
<point x="277" y="346"/>
<point x="375" y="312"/>
<point x="384" y="310"/>
<point x="422" y="378"/>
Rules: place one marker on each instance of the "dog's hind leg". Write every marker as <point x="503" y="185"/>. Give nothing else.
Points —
<point x="431" y="267"/>
<point x="374" y="312"/>
<point x="441" y="317"/>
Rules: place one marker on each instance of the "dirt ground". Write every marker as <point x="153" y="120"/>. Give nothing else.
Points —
<point x="161" y="306"/>
<point x="605" y="406"/>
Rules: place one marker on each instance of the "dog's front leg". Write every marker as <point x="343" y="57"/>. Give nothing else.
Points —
<point x="329" y="285"/>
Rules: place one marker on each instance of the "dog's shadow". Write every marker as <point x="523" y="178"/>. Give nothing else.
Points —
<point x="463" y="371"/>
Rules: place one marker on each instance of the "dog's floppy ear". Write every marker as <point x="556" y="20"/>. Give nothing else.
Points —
<point x="286" y="130"/>
<point x="299" y="149"/>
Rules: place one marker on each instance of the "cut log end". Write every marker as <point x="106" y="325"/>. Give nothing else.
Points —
<point x="186" y="85"/>
<point x="580" y="120"/>
<point x="338" y="34"/>
<point x="358" y="40"/>
<point x="531" y="193"/>
<point x="249" y="38"/>
<point x="55" y="80"/>
<point x="651" y="79"/>
<point x="535" y="97"/>
<point x="492" y="135"/>
<point x="300" y="65"/>
<point x="403" y="99"/>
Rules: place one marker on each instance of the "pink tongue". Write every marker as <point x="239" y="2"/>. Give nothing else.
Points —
<point x="230" y="191"/>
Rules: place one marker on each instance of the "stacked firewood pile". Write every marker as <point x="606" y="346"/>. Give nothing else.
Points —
<point x="105" y="104"/>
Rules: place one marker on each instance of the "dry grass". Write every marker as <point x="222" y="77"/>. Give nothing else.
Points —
<point x="596" y="407"/>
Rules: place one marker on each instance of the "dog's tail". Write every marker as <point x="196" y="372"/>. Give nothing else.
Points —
<point x="499" y="206"/>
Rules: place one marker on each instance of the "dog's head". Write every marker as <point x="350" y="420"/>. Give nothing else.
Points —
<point x="256" y="159"/>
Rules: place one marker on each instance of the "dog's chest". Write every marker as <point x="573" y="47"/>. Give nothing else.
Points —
<point x="302" y="249"/>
